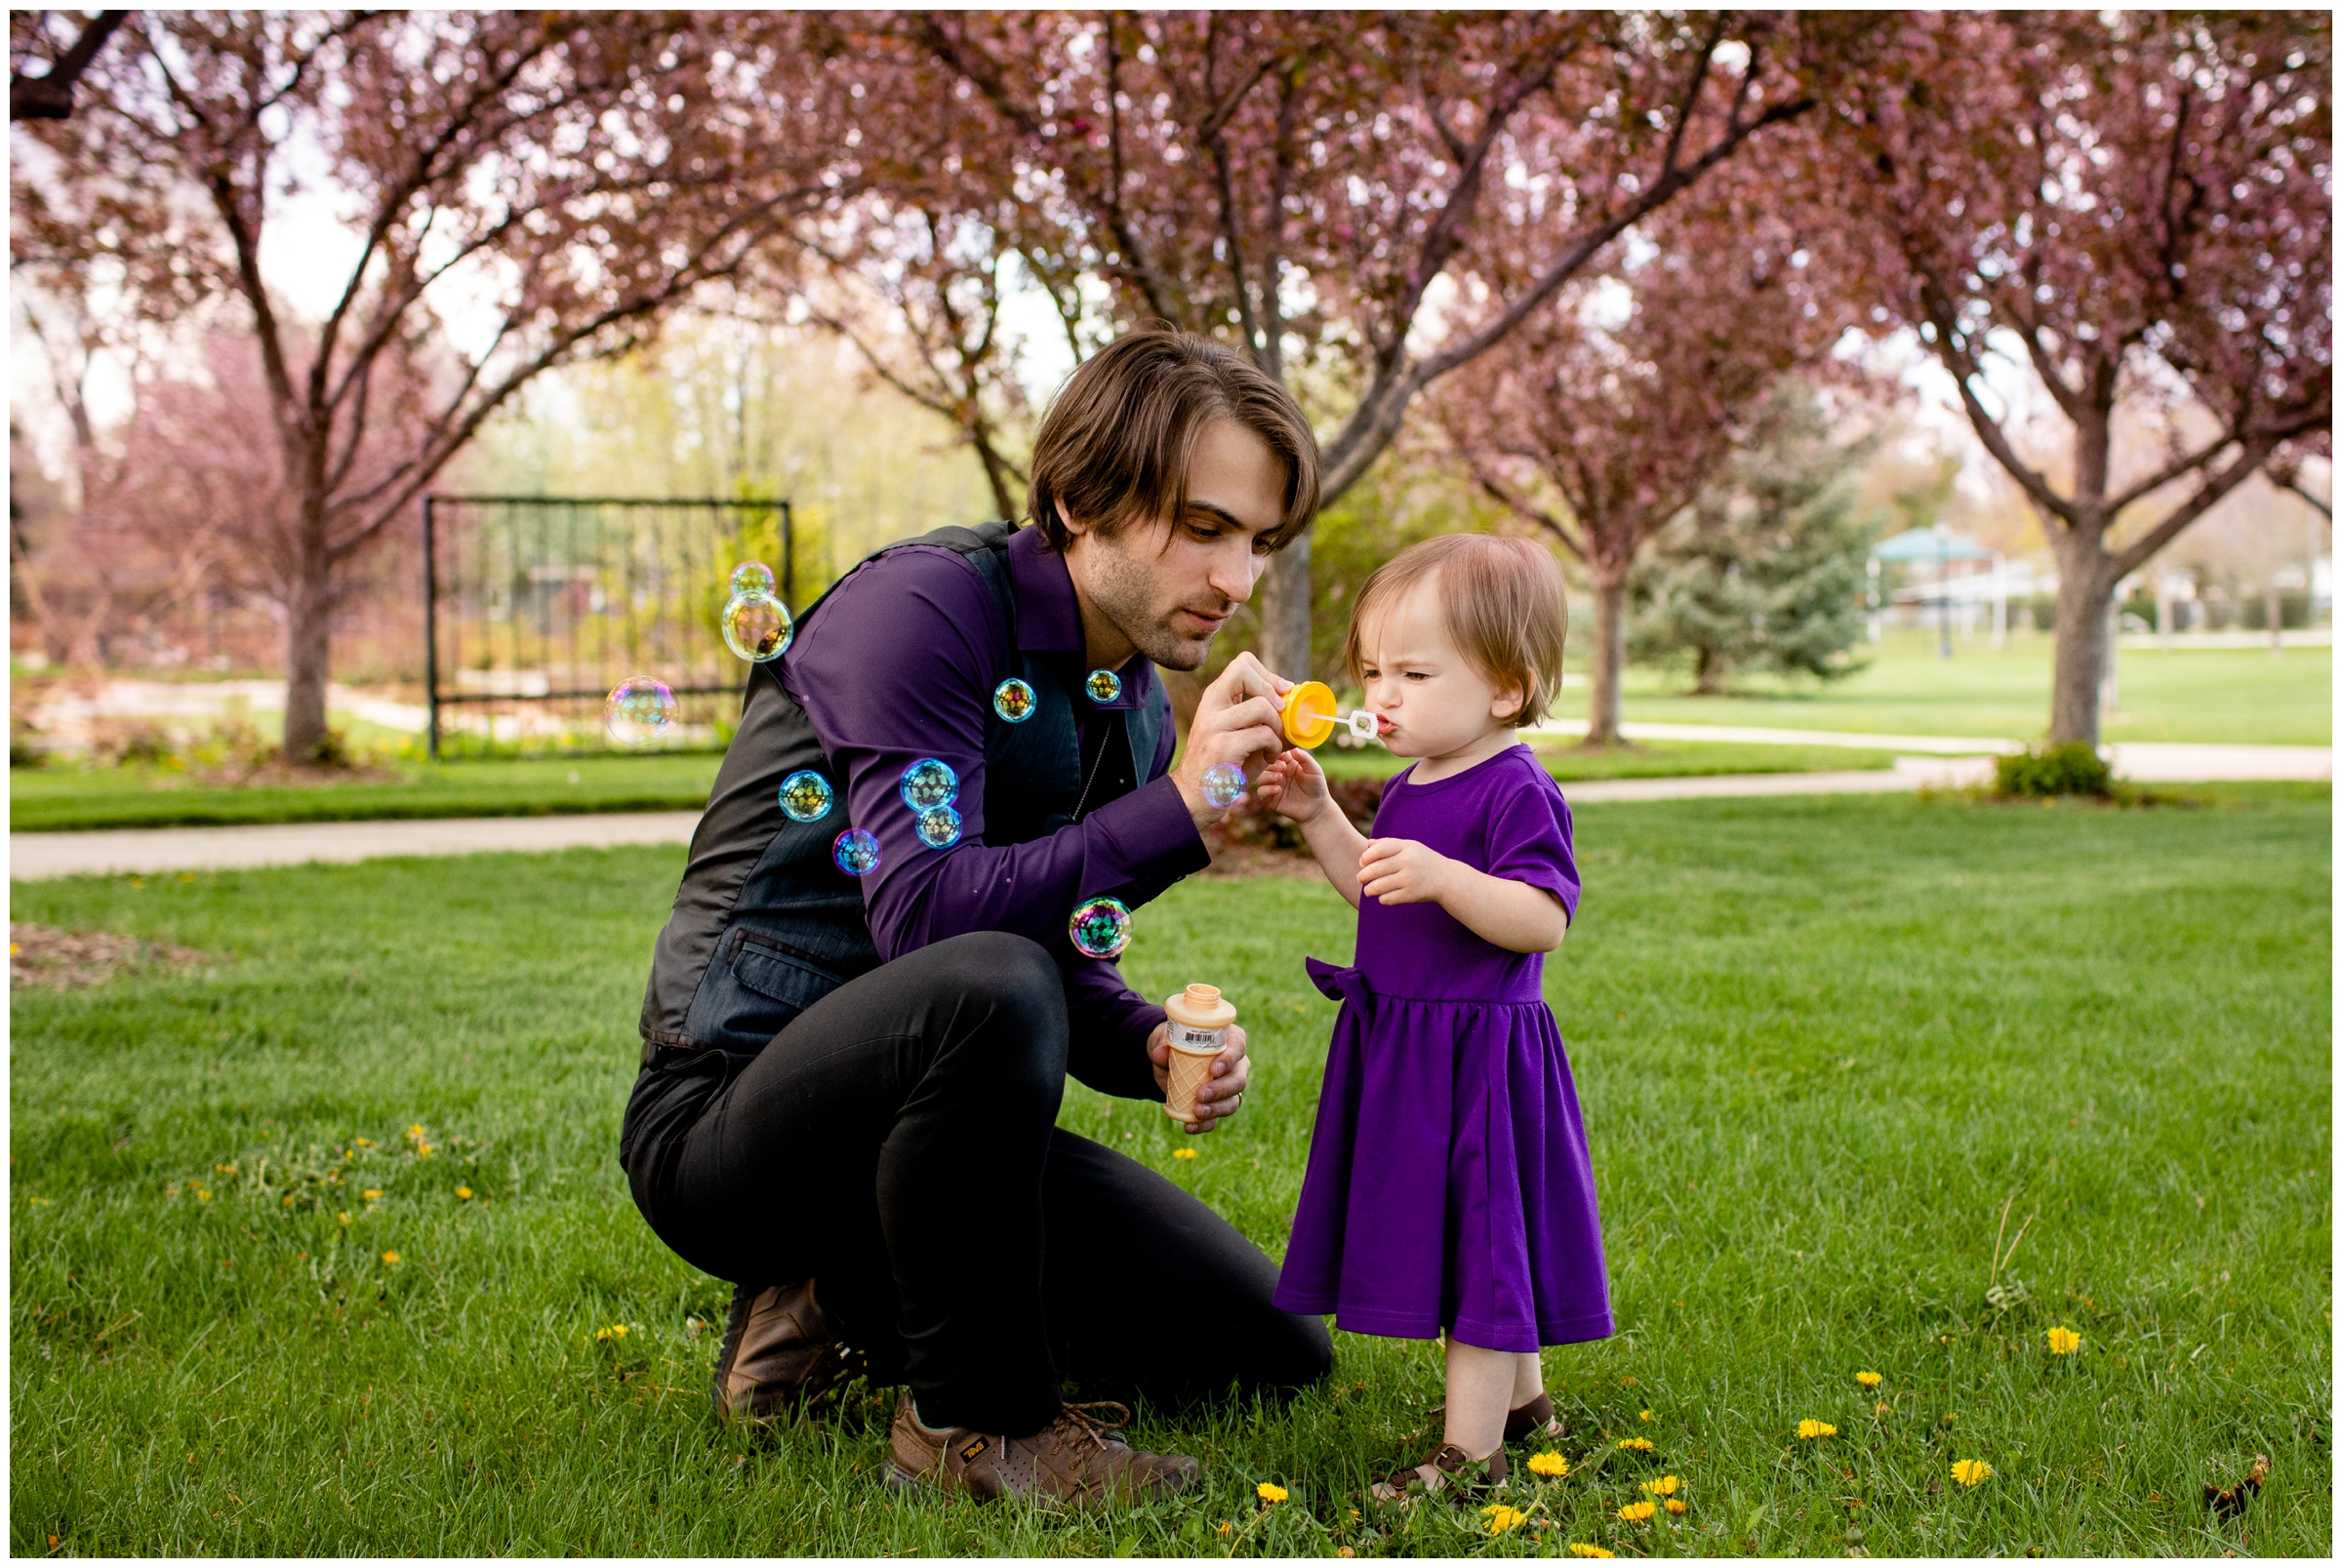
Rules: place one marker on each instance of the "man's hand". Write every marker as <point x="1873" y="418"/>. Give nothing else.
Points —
<point x="1218" y="1096"/>
<point x="1400" y="871"/>
<point x="1295" y="786"/>
<point x="1237" y="722"/>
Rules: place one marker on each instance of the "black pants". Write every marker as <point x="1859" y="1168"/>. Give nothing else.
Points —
<point x="897" y="1143"/>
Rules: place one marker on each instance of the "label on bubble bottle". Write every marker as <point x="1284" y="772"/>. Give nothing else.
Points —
<point x="1187" y="1038"/>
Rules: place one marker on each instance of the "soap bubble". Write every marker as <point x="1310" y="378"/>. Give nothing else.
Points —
<point x="856" y="852"/>
<point x="751" y="577"/>
<point x="1223" y="783"/>
<point x="756" y="626"/>
<point x="805" y="796"/>
<point x="1104" y="685"/>
<point x="1100" y="927"/>
<point x="640" y="711"/>
<point x="929" y="782"/>
<point x="1014" y="700"/>
<point x="939" y="827"/>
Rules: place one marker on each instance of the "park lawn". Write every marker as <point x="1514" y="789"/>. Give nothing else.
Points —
<point x="1819" y="1043"/>
<point x="1644" y="759"/>
<point x="63" y="796"/>
<point x="2237" y="694"/>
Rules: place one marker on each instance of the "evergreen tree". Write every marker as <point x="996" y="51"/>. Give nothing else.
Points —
<point x="1767" y="570"/>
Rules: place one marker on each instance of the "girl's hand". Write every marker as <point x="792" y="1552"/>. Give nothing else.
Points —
<point x="1400" y="871"/>
<point x="1293" y="785"/>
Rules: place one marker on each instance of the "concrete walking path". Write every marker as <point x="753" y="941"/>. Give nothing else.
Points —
<point x="32" y="857"/>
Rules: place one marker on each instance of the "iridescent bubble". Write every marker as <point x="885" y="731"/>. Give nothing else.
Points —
<point x="1014" y="700"/>
<point x="856" y="852"/>
<point x="1223" y="783"/>
<point x="929" y="782"/>
<point x="751" y="577"/>
<point x="756" y="626"/>
<point x="1104" y="685"/>
<point x="939" y="827"/>
<point x="1100" y="927"/>
<point x="640" y="711"/>
<point x="806" y="796"/>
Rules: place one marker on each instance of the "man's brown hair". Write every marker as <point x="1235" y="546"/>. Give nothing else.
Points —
<point x="1116" y="443"/>
<point x="1501" y="599"/>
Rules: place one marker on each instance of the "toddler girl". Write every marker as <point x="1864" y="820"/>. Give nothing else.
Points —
<point x="1448" y="1186"/>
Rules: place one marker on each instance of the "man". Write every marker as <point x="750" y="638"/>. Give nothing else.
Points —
<point x="851" y="1082"/>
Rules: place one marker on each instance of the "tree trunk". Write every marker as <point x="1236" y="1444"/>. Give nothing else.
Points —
<point x="2084" y="589"/>
<point x="1007" y="505"/>
<point x="1285" y="644"/>
<point x="1609" y="655"/>
<point x="309" y="628"/>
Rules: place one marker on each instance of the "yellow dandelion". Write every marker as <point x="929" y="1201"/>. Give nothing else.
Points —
<point x="372" y="1193"/>
<point x="1548" y="1463"/>
<point x="389" y="1257"/>
<point x="1502" y="1519"/>
<point x="1884" y="1409"/>
<point x="424" y="1151"/>
<point x="1582" y="1548"/>
<point x="364" y="1143"/>
<point x="1641" y="1445"/>
<point x="1626" y="1383"/>
<point x="1868" y="1380"/>
<point x="1183" y="1153"/>
<point x="1971" y="1471"/>
<point x="1636" y="1512"/>
<point x="344" y="1217"/>
<point x="1676" y="1504"/>
<point x="1224" y="1527"/>
<point x="1271" y="1492"/>
<point x="1810" y="1430"/>
<point x="462" y="1192"/>
<point x="1646" y="1416"/>
<point x="203" y="1194"/>
<point x="2064" y="1341"/>
<point x="1665" y="1486"/>
<point x="416" y="1131"/>
<point x="1344" y="1551"/>
<point x="616" y="1331"/>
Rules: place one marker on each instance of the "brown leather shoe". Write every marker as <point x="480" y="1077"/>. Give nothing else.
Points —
<point x="1079" y="1458"/>
<point x="779" y="1355"/>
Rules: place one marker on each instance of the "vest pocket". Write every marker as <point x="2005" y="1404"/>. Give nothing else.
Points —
<point x="784" y="978"/>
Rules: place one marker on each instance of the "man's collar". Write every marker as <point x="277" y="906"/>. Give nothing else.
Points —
<point x="1049" y="616"/>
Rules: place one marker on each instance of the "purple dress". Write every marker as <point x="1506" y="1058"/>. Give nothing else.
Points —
<point x="1448" y="1184"/>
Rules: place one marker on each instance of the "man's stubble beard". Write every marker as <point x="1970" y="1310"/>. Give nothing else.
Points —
<point x="1121" y="588"/>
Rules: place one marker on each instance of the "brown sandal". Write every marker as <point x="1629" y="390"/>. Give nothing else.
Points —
<point x="1403" y="1487"/>
<point x="1536" y="1419"/>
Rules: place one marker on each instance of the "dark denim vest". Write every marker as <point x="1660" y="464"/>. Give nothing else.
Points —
<point x="765" y="924"/>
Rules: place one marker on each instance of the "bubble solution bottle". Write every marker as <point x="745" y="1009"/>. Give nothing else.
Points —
<point x="1198" y="1032"/>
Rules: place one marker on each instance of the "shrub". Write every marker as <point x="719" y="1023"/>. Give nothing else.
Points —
<point x="1255" y="824"/>
<point x="2073" y="769"/>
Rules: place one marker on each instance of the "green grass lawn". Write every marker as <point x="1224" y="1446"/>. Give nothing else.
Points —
<point x="2228" y="694"/>
<point x="1819" y="1043"/>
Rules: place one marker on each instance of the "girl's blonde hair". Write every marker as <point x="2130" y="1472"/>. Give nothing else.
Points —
<point x="1501" y="600"/>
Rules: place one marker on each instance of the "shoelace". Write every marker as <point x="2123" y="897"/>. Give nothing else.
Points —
<point x="1077" y="1421"/>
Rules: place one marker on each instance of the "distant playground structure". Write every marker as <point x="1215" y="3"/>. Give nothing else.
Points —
<point x="536" y="606"/>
